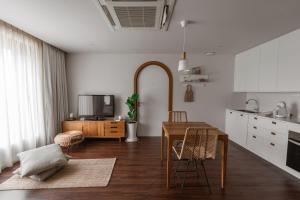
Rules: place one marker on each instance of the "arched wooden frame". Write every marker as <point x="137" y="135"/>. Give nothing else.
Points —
<point x="170" y="76"/>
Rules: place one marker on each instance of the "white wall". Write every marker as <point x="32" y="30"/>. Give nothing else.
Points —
<point x="113" y="74"/>
<point x="268" y="101"/>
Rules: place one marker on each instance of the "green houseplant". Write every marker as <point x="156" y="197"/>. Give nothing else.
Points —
<point x="132" y="123"/>
<point x="131" y="103"/>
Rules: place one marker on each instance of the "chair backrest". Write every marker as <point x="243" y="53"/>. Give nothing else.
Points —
<point x="177" y="116"/>
<point x="199" y="143"/>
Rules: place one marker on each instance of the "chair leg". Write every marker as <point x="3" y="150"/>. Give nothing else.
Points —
<point x="202" y="164"/>
<point x="187" y="168"/>
<point x="197" y="170"/>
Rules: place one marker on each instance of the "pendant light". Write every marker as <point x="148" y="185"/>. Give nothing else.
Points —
<point x="183" y="64"/>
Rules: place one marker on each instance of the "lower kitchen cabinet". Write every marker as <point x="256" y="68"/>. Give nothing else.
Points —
<point x="236" y="126"/>
<point x="265" y="137"/>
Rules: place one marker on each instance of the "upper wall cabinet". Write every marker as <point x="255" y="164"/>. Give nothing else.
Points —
<point x="271" y="67"/>
<point x="268" y="66"/>
<point x="289" y="62"/>
<point x="246" y="70"/>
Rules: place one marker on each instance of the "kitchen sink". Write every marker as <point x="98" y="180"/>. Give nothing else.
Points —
<point x="247" y="111"/>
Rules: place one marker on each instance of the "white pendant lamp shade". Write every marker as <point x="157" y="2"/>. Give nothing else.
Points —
<point x="183" y="64"/>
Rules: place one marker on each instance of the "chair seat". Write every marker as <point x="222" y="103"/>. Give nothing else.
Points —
<point x="69" y="138"/>
<point x="187" y="154"/>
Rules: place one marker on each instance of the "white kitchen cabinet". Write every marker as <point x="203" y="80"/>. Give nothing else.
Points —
<point x="275" y="145"/>
<point x="268" y="66"/>
<point x="240" y="73"/>
<point x="246" y="70"/>
<point x="236" y="126"/>
<point x="255" y="139"/>
<point x="266" y="137"/>
<point x="289" y="62"/>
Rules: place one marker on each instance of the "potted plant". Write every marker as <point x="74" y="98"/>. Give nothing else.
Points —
<point x="132" y="123"/>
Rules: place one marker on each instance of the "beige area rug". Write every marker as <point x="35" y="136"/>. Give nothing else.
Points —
<point x="78" y="173"/>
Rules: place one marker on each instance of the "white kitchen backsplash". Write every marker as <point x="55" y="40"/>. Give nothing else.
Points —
<point x="268" y="101"/>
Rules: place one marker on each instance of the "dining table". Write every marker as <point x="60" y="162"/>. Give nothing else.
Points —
<point x="172" y="131"/>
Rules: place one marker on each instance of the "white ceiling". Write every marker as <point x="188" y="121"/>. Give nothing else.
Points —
<point x="225" y="26"/>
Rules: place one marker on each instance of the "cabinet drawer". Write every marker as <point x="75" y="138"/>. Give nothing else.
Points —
<point x="114" y="124"/>
<point x="275" y="147"/>
<point x="253" y="128"/>
<point x="275" y="152"/>
<point x="255" y="143"/>
<point x="275" y="125"/>
<point x="114" y="132"/>
<point x="254" y="120"/>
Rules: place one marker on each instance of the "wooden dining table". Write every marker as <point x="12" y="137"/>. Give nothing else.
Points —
<point x="176" y="131"/>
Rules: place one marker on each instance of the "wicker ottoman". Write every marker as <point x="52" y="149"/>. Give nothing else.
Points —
<point x="69" y="139"/>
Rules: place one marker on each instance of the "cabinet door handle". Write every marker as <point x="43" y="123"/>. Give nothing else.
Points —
<point x="230" y="112"/>
<point x="254" y="136"/>
<point x="272" y="133"/>
<point x="254" y="127"/>
<point x="272" y="144"/>
<point x="255" y="118"/>
<point x="273" y="122"/>
<point x="241" y="115"/>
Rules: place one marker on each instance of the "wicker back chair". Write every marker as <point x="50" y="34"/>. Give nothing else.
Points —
<point x="199" y="144"/>
<point x="177" y="116"/>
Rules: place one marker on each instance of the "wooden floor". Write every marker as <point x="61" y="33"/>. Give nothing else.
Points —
<point x="139" y="174"/>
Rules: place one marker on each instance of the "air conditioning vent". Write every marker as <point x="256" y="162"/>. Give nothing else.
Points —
<point x="109" y="17"/>
<point x="137" y="14"/>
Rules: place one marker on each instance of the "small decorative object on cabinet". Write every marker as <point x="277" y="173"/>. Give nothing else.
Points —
<point x="132" y="123"/>
<point x="189" y="96"/>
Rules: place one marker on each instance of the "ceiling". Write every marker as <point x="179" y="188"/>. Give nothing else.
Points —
<point x="224" y="26"/>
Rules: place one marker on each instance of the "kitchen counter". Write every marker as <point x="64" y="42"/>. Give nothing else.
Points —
<point x="286" y="119"/>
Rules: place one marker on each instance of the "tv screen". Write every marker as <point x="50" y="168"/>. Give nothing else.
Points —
<point x="96" y="106"/>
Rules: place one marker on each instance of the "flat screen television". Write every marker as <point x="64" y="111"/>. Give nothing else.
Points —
<point x="96" y="106"/>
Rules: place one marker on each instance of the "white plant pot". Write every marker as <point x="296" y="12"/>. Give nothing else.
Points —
<point x="131" y="132"/>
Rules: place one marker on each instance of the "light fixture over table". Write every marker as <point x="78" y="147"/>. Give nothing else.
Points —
<point x="183" y="63"/>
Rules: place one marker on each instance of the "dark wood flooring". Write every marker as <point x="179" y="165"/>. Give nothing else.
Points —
<point x="139" y="174"/>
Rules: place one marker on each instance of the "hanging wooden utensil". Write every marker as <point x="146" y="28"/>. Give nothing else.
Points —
<point x="189" y="95"/>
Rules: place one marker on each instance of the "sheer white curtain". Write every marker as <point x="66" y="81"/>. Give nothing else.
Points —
<point x="55" y="89"/>
<point x="21" y="94"/>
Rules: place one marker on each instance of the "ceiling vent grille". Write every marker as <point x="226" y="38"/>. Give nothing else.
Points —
<point x="137" y="14"/>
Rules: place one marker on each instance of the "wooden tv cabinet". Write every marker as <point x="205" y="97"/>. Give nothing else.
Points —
<point x="97" y="129"/>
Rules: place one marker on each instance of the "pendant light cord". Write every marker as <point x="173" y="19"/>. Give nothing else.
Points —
<point x="184" y="39"/>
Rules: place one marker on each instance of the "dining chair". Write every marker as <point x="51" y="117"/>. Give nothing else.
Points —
<point x="199" y="145"/>
<point x="177" y="116"/>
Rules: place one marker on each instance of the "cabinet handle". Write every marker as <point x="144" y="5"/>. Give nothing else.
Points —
<point x="255" y="118"/>
<point x="241" y="115"/>
<point x="254" y="136"/>
<point x="230" y="112"/>
<point x="272" y="144"/>
<point x="254" y="127"/>
<point x="272" y="133"/>
<point x="273" y="122"/>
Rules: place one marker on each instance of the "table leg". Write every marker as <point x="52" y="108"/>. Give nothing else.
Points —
<point x="162" y="145"/>
<point x="224" y="149"/>
<point x="169" y="161"/>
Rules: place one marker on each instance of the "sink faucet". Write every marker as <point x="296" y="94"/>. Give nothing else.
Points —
<point x="256" y="102"/>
